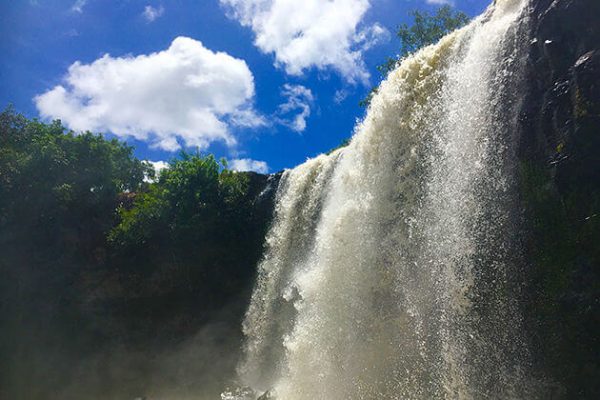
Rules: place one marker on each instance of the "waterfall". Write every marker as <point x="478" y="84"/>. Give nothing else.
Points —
<point x="391" y="265"/>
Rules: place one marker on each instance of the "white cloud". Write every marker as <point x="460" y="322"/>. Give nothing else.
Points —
<point x="78" y="6"/>
<point x="340" y="95"/>
<point x="440" y="2"/>
<point x="371" y="36"/>
<point x="299" y="100"/>
<point x="248" y="164"/>
<point x="151" y="13"/>
<point x="310" y="33"/>
<point x="186" y="94"/>
<point x="158" y="167"/>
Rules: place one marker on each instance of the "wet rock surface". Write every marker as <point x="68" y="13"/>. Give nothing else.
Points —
<point x="560" y="187"/>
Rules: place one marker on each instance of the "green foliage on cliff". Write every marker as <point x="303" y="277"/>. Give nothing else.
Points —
<point x="58" y="193"/>
<point x="92" y="242"/>
<point x="190" y="198"/>
<point x="80" y="201"/>
<point x="196" y="232"/>
<point x="59" y="189"/>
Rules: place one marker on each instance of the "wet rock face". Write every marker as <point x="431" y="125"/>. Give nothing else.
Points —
<point x="559" y="157"/>
<point x="563" y="77"/>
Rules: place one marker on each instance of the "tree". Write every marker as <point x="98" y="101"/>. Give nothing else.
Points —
<point x="55" y="182"/>
<point x="58" y="195"/>
<point x="198" y="226"/>
<point x="426" y="29"/>
<point x="87" y="245"/>
<point x="187" y="203"/>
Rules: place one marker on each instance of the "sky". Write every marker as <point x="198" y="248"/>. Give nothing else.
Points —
<point x="265" y="84"/>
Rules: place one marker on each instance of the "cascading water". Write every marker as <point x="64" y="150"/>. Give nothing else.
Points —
<point x="388" y="270"/>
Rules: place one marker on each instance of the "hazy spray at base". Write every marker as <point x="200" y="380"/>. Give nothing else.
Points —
<point x="389" y="266"/>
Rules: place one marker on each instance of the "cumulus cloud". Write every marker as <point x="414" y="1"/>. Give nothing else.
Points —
<point x="294" y="112"/>
<point x="310" y="33"/>
<point x="151" y="13"/>
<point x="186" y="94"/>
<point x="248" y="164"/>
<point x="78" y="6"/>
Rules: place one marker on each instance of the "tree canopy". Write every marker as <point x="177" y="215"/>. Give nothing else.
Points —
<point x="91" y="241"/>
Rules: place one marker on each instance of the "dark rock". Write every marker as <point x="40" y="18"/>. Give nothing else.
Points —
<point x="559" y="128"/>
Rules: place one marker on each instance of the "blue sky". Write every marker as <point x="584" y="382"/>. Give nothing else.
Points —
<point x="263" y="83"/>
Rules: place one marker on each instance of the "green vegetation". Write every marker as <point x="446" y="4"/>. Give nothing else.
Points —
<point x="97" y="252"/>
<point x="200" y="221"/>
<point x="187" y="198"/>
<point x="58" y="189"/>
<point x="426" y="29"/>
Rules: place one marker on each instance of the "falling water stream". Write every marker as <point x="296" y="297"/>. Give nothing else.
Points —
<point x="390" y="265"/>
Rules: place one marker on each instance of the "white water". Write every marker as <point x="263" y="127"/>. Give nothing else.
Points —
<point x="387" y="272"/>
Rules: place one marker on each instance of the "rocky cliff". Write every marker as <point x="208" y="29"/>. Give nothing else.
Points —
<point x="560" y="186"/>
